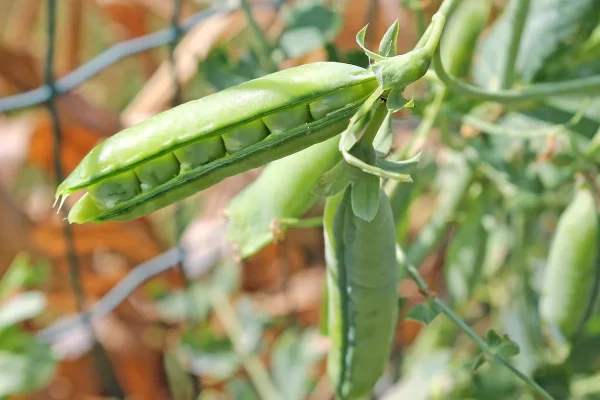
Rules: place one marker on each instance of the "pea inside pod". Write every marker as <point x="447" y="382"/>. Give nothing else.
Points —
<point x="237" y="129"/>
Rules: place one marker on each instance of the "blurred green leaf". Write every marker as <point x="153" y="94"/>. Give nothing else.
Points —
<point x="221" y="71"/>
<point x="21" y="307"/>
<point x="294" y="357"/>
<point x="552" y="26"/>
<point x="179" y="306"/>
<point x="22" y="274"/>
<point x="227" y="277"/>
<point x="26" y="371"/>
<point x="300" y="41"/>
<point x="180" y="382"/>
<point x="501" y="345"/>
<point x="239" y="388"/>
<point x="424" y="312"/>
<point x="310" y="26"/>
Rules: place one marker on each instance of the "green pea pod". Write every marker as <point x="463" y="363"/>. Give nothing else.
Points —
<point x="571" y="265"/>
<point x="283" y="190"/>
<point x="466" y="252"/>
<point x="197" y="144"/>
<point x="362" y="290"/>
<point x="457" y="180"/>
<point x="463" y="28"/>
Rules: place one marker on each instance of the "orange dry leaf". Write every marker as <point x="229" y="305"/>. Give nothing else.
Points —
<point x="157" y="93"/>
<point x="18" y="68"/>
<point x="77" y="141"/>
<point x="359" y="13"/>
<point x="130" y="17"/>
<point x="131" y="239"/>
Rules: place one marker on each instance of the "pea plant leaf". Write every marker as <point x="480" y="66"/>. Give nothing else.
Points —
<point x="365" y="196"/>
<point x="388" y="47"/>
<point x="294" y="357"/>
<point x="400" y="167"/>
<point x="360" y="39"/>
<point x="333" y="181"/>
<point x="21" y="307"/>
<point x="383" y="139"/>
<point x="424" y="312"/>
<point x="476" y="363"/>
<point x="552" y="26"/>
<point x="501" y="345"/>
<point x="25" y="372"/>
<point x="309" y="27"/>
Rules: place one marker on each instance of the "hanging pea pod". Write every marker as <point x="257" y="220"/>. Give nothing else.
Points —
<point x="571" y="265"/>
<point x="283" y="190"/>
<point x="460" y="177"/>
<point x="467" y="249"/>
<point x="197" y="144"/>
<point x="362" y="293"/>
<point x="460" y="36"/>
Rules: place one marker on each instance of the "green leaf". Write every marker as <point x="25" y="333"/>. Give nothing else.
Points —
<point x="221" y="71"/>
<point x="179" y="306"/>
<point x="227" y="277"/>
<point x="294" y="357"/>
<point x="477" y="362"/>
<point x="501" y="345"/>
<point x="388" y="47"/>
<point x="317" y="17"/>
<point x="333" y="181"/>
<point x="424" y="312"/>
<point x="203" y="354"/>
<point x="21" y="307"/>
<point x="22" y="274"/>
<point x="466" y="252"/>
<point x="360" y="39"/>
<point x="238" y="388"/>
<point x="383" y="139"/>
<point x="180" y="382"/>
<point x="301" y="41"/>
<point x="552" y="26"/>
<point x="365" y="196"/>
<point x="349" y="136"/>
<point x="400" y="167"/>
<point x="396" y="101"/>
<point x="28" y="371"/>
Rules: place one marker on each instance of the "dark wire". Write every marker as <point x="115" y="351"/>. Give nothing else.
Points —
<point x="103" y="364"/>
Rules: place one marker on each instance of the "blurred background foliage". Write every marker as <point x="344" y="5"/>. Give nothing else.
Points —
<point x="494" y="178"/>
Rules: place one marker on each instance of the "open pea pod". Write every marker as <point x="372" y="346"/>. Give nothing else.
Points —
<point x="188" y="148"/>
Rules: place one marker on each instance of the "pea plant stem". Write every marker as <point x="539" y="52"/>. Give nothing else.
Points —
<point x="375" y="123"/>
<point x="583" y="86"/>
<point x="518" y="26"/>
<point x="256" y="370"/>
<point x="262" y="45"/>
<point x="444" y="308"/>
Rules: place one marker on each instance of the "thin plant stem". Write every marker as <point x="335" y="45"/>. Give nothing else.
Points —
<point x="518" y="26"/>
<point x="256" y="370"/>
<point x="583" y="86"/>
<point x="444" y="308"/>
<point x="424" y="129"/>
<point x="375" y="123"/>
<point x="107" y="373"/>
<point x="263" y="47"/>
